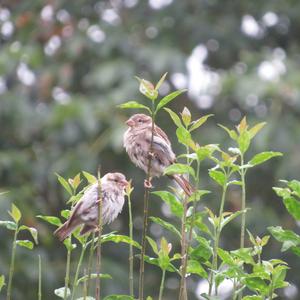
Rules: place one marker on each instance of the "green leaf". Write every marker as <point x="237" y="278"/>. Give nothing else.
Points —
<point x="218" y="176"/>
<point x="64" y="183"/>
<point x="32" y="231"/>
<point x="203" y="251"/>
<point x="255" y="129"/>
<point x="65" y="213"/>
<point x="9" y="225"/>
<point x="117" y="238"/>
<point x="225" y="257"/>
<point x="293" y="207"/>
<point x="93" y="276"/>
<point x="196" y="196"/>
<point x="166" y="225"/>
<point x="156" y="262"/>
<point x="206" y="151"/>
<point x="194" y="267"/>
<point x="282" y="192"/>
<point x="134" y="104"/>
<point x="146" y="88"/>
<point x="161" y="80"/>
<point x="25" y="243"/>
<point x="257" y="284"/>
<point x="244" y="141"/>
<point x="61" y="292"/>
<point x="226" y="220"/>
<point x="52" y="220"/>
<point x="2" y="282"/>
<point x="234" y="182"/>
<point x="68" y="244"/>
<point x="89" y="177"/>
<point x="183" y="136"/>
<point x="177" y="168"/>
<point x="287" y="237"/>
<point x="295" y="186"/>
<point x="153" y="245"/>
<point x="199" y="122"/>
<point x="245" y="254"/>
<point x="118" y="297"/>
<point x="174" y="204"/>
<point x="186" y="116"/>
<point x="15" y="213"/>
<point x="262" y="157"/>
<point x="165" y="100"/>
<point x="233" y="135"/>
<point x="174" y="117"/>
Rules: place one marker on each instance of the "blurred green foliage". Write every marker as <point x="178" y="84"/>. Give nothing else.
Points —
<point x="65" y="65"/>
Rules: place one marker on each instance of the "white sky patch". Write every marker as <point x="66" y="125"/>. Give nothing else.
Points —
<point x="47" y="13"/>
<point x="63" y="16"/>
<point x="130" y="3"/>
<point x="52" y="45"/>
<point x="4" y="14"/>
<point x="203" y="83"/>
<point x="7" y="29"/>
<point x="96" y="34"/>
<point x="250" y="27"/>
<point x="60" y="95"/>
<point x="291" y="291"/>
<point x="270" y="19"/>
<point x="3" y="87"/>
<point x="111" y="17"/>
<point x="151" y="32"/>
<point x="179" y="80"/>
<point x="159" y="4"/>
<point x="224" y="289"/>
<point x="25" y="75"/>
<point x="271" y="70"/>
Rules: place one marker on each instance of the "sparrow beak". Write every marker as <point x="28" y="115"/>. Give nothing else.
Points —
<point x="130" y="123"/>
<point x="124" y="182"/>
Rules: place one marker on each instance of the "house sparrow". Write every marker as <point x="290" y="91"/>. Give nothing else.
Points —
<point x="86" y="210"/>
<point x="137" y="140"/>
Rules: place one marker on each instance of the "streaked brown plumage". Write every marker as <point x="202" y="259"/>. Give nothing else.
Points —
<point x="137" y="140"/>
<point x="86" y="211"/>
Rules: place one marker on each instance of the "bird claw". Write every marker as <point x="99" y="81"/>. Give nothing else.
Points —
<point x="150" y="155"/>
<point x="147" y="184"/>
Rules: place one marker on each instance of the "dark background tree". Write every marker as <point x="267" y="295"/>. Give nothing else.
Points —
<point x="65" y="65"/>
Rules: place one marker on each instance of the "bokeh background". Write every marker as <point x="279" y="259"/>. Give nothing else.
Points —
<point x="65" y="65"/>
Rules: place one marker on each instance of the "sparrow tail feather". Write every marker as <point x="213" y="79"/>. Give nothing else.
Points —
<point x="184" y="184"/>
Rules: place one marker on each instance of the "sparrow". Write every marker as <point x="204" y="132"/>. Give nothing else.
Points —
<point x="86" y="211"/>
<point x="137" y="141"/>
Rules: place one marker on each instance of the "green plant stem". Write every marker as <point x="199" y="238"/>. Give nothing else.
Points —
<point x="67" y="276"/>
<point x="78" y="269"/>
<point x="242" y="242"/>
<point x="217" y="240"/>
<point x="182" y="289"/>
<point x="130" y="248"/>
<point x="40" y="279"/>
<point x="90" y="265"/>
<point x="145" y="218"/>
<point x="162" y="284"/>
<point x="243" y="223"/>
<point x="12" y="264"/>
<point x="271" y="289"/>
<point x="197" y="183"/>
<point x="100" y="225"/>
<point x="184" y="245"/>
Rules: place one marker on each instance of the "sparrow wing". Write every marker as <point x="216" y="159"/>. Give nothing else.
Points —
<point x="162" y="150"/>
<point x="160" y="133"/>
